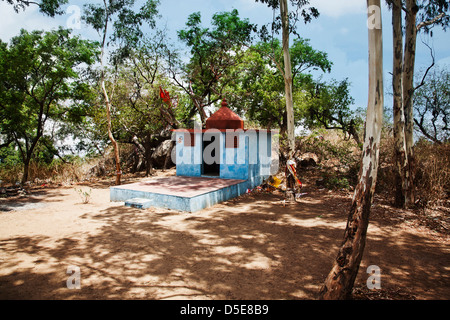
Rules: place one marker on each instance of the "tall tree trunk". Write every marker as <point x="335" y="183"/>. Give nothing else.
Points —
<point x="339" y="282"/>
<point x="28" y="153"/>
<point x="149" y="163"/>
<point x="26" y="170"/>
<point x="354" y="133"/>
<point x="110" y="135"/>
<point x="400" y="156"/>
<point x="108" y="104"/>
<point x="288" y="78"/>
<point x="290" y="181"/>
<point x="139" y="155"/>
<point x="408" y="91"/>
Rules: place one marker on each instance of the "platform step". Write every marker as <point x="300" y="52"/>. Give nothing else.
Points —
<point x="140" y="203"/>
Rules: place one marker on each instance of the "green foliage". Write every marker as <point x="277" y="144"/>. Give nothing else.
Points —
<point x="335" y="181"/>
<point x="126" y="23"/>
<point x="138" y="109"/>
<point x="213" y="52"/>
<point x="85" y="195"/>
<point x="49" y="83"/>
<point x="306" y="58"/>
<point x="39" y="74"/>
<point x="338" y="158"/>
<point x="429" y="10"/>
<point x="328" y="106"/>
<point x="328" y="145"/>
<point x="48" y="7"/>
<point x="228" y="32"/>
<point x="137" y="84"/>
<point x="299" y="11"/>
<point x="257" y="88"/>
<point x="9" y="157"/>
<point x="139" y="116"/>
<point x="44" y="151"/>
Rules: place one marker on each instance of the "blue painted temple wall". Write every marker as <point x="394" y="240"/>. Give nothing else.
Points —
<point x="250" y="161"/>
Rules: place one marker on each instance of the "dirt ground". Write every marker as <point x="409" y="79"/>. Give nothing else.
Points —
<point x="251" y="247"/>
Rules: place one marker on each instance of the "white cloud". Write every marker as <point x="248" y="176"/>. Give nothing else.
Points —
<point x="338" y="8"/>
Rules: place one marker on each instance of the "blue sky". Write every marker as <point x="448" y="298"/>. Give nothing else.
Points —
<point x="341" y="31"/>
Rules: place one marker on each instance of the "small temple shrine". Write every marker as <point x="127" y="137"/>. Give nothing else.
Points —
<point x="213" y="164"/>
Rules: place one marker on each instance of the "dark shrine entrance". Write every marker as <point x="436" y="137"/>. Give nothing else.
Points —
<point x="222" y="119"/>
<point x="211" y="154"/>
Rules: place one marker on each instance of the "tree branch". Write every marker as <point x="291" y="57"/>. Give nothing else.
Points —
<point x="7" y="143"/>
<point x="430" y="22"/>
<point x="428" y="69"/>
<point x="425" y="133"/>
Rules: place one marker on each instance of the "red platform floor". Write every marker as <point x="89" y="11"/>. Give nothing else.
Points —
<point x="181" y="186"/>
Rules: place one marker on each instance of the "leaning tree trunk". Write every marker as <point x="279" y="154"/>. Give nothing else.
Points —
<point x="408" y="92"/>
<point x="400" y="156"/>
<point x="290" y="183"/>
<point x="339" y="282"/>
<point x="108" y="107"/>
<point x="110" y="135"/>
<point x="139" y="154"/>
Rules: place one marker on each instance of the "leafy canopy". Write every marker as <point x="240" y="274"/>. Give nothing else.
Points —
<point x="257" y="89"/>
<point x="299" y="11"/>
<point x="127" y="23"/>
<point x="213" y="52"/>
<point x="328" y="105"/>
<point x="39" y="75"/>
<point x="48" y="7"/>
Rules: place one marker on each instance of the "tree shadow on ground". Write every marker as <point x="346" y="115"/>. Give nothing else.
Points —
<point x="37" y="197"/>
<point x="249" y="248"/>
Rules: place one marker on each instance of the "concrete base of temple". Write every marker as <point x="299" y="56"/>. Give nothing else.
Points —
<point x="180" y="193"/>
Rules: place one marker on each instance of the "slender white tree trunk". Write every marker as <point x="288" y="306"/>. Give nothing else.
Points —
<point x="340" y="280"/>
<point x="108" y="105"/>
<point x="110" y="135"/>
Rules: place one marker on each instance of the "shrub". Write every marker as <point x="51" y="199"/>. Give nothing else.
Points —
<point x="339" y="158"/>
<point x="55" y="172"/>
<point x="432" y="172"/>
<point x="335" y="181"/>
<point x="329" y="145"/>
<point x="84" y="195"/>
<point x="432" y="162"/>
